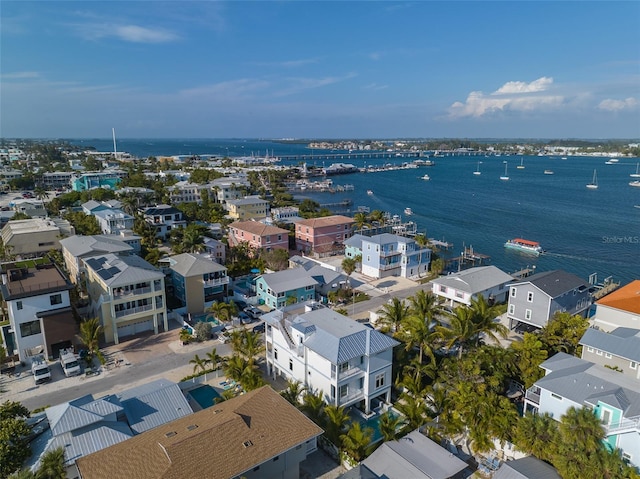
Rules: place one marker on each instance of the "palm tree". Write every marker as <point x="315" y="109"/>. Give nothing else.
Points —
<point x="199" y="363"/>
<point x="337" y="417"/>
<point x="529" y="354"/>
<point x="376" y="216"/>
<point x="536" y="434"/>
<point x="313" y="405"/>
<point x="293" y="392"/>
<point x="41" y="193"/>
<point x="389" y="425"/>
<point x="221" y="311"/>
<point x="192" y="240"/>
<point x="52" y="465"/>
<point x="214" y="359"/>
<point x="361" y="220"/>
<point x="392" y="315"/>
<point x="253" y="344"/>
<point x="460" y="331"/>
<point x="484" y="318"/>
<point x="414" y="409"/>
<point x="90" y="331"/>
<point x="356" y="441"/>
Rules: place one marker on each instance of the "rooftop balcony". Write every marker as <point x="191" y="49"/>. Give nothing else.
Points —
<point x="533" y="395"/>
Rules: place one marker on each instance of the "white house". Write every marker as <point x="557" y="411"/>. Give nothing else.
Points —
<point x="326" y="351"/>
<point x="460" y="288"/>
<point x="619" y="309"/>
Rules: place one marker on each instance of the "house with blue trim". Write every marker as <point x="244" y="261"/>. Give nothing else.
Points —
<point x="387" y="254"/>
<point x="613" y="397"/>
<point x="278" y="289"/>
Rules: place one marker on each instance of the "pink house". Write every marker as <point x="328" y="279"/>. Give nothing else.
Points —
<point x="258" y="235"/>
<point x="323" y="236"/>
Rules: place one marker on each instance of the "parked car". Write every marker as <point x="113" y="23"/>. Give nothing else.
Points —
<point x="245" y="318"/>
<point x="259" y="328"/>
<point x="240" y="304"/>
<point x="254" y="312"/>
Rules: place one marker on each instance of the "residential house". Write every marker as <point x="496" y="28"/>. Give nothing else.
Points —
<point x="197" y="281"/>
<point x="619" y="309"/>
<point x="278" y="289"/>
<point x="460" y="288"/>
<point x="353" y="245"/>
<point x="613" y="397"/>
<point x="92" y="206"/>
<point x="126" y="293"/>
<point x="258" y="235"/>
<point x="6" y="175"/>
<point x="330" y="353"/>
<point x="393" y="255"/>
<point x="618" y="349"/>
<point x="284" y="215"/>
<point x="526" y="468"/>
<point x="414" y="456"/>
<point x="75" y="248"/>
<point x="323" y="236"/>
<point x="256" y="435"/>
<point x="216" y="250"/>
<point x="57" y="180"/>
<point x="34" y="237"/>
<point x="186" y="192"/>
<point x="247" y="208"/>
<point x="97" y="179"/>
<point x="114" y="221"/>
<point x="328" y="278"/>
<point x="534" y="300"/>
<point x="230" y="188"/>
<point x="164" y="218"/>
<point x="39" y="309"/>
<point x="87" y="425"/>
<point x="30" y="207"/>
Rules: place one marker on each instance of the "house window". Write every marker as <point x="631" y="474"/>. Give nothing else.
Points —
<point x="633" y="365"/>
<point x="589" y="349"/>
<point x="527" y="314"/>
<point x="512" y="309"/>
<point x="343" y="367"/>
<point x="279" y="237"/>
<point x="607" y="355"/>
<point x="361" y="383"/>
<point x="599" y="352"/>
<point x="30" y="328"/>
<point x="276" y="458"/>
<point x="290" y="364"/>
<point x="379" y="380"/>
<point x="443" y="289"/>
<point x="459" y="295"/>
<point x="275" y="354"/>
<point x="513" y="292"/>
<point x="555" y="396"/>
<point x="344" y="390"/>
<point x="333" y="391"/>
<point x="530" y="296"/>
<point x="18" y="305"/>
<point x="55" y="299"/>
<point x="606" y="416"/>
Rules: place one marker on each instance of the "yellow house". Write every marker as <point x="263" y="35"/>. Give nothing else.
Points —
<point x="248" y="208"/>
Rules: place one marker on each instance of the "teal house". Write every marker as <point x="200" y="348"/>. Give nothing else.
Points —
<point x="278" y="289"/>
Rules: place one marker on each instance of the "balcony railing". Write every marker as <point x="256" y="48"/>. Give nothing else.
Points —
<point x="354" y="394"/>
<point x="626" y="425"/>
<point x="352" y="371"/>
<point x="533" y="395"/>
<point x="386" y="267"/>
<point x="216" y="281"/>
<point x="136" y="310"/>
<point x="131" y="292"/>
<point x="387" y="254"/>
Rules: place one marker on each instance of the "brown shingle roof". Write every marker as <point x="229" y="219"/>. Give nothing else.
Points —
<point x="326" y="221"/>
<point x="257" y="228"/>
<point x="626" y="298"/>
<point x="225" y="440"/>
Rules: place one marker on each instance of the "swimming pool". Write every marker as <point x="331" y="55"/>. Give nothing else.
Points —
<point x="204" y="395"/>
<point x="198" y="318"/>
<point x="374" y="424"/>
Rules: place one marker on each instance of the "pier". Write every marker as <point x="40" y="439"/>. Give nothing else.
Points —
<point x="360" y="155"/>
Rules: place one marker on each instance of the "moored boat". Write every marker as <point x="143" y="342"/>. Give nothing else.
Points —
<point x="635" y="183"/>
<point x="525" y="246"/>
<point x="408" y="211"/>
<point x="637" y="173"/>
<point x="594" y="183"/>
<point x="548" y="172"/>
<point x="426" y="177"/>
<point x="369" y="192"/>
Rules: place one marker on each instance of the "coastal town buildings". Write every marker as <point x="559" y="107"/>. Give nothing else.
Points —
<point x="462" y="287"/>
<point x="323" y="236"/>
<point x="618" y="349"/>
<point x="164" y="218"/>
<point x="620" y="309"/>
<point x="76" y="248"/>
<point x="247" y="208"/>
<point x="258" y="235"/>
<point x="97" y="179"/>
<point x="393" y="255"/>
<point x="34" y="237"/>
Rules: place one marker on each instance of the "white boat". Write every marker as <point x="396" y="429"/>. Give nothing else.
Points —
<point x="505" y="177"/>
<point x="478" y="172"/>
<point x="635" y="183"/>
<point x="525" y="246"/>
<point x="548" y="172"/>
<point x="521" y="165"/>
<point x="369" y="192"/>
<point x="563" y="158"/>
<point x="611" y="161"/>
<point x="594" y="183"/>
<point x="637" y="173"/>
<point x="426" y="178"/>
<point x="408" y="211"/>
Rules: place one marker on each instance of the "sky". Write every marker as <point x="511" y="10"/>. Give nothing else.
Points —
<point x="320" y="69"/>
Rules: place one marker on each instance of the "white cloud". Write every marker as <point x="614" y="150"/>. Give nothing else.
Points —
<point x="227" y="90"/>
<point x="297" y="85"/>
<point x="124" y="32"/>
<point x="375" y="87"/>
<point x="512" y="96"/>
<point x="617" y="105"/>
<point x="20" y="75"/>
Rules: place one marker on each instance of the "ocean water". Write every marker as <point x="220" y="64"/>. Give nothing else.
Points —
<point x="582" y="231"/>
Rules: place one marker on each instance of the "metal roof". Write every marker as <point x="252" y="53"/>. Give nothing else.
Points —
<point x="288" y="280"/>
<point x="194" y="264"/>
<point x="526" y="468"/>
<point x="622" y="342"/>
<point x="555" y="283"/>
<point x="82" y="245"/>
<point x="475" y="280"/>
<point x="116" y="270"/>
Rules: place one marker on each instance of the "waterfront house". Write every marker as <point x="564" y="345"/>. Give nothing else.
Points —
<point x="126" y="293"/>
<point x="613" y="397"/>
<point x="534" y="300"/>
<point x="34" y="237"/>
<point x="258" y="235"/>
<point x="353" y="246"/>
<point x="284" y="215"/>
<point x="460" y="288"/>
<point x="197" y="281"/>
<point x="164" y="218"/>
<point x="330" y="353"/>
<point x="229" y="188"/>
<point x="618" y="349"/>
<point x="255" y="435"/>
<point x="619" y="309"/>
<point x="414" y="456"/>
<point x="247" y="208"/>
<point x="278" y="289"/>
<point x="393" y="255"/>
<point x="39" y="310"/>
<point x="75" y="248"/>
<point x="323" y="236"/>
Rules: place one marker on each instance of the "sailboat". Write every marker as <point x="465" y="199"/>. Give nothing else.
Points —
<point x="637" y="173"/>
<point x="478" y="172"/>
<point x="594" y="183"/>
<point x="521" y="165"/>
<point x="505" y="177"/>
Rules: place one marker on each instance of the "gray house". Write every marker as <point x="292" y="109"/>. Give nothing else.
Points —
<point x="526" y="468"/>
<point x="618" y="349"/>
<point x="535" y="300"/>
<point x="460" y="288"/>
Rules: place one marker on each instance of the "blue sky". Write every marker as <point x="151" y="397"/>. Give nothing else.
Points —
<point x="276" y="69"/>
